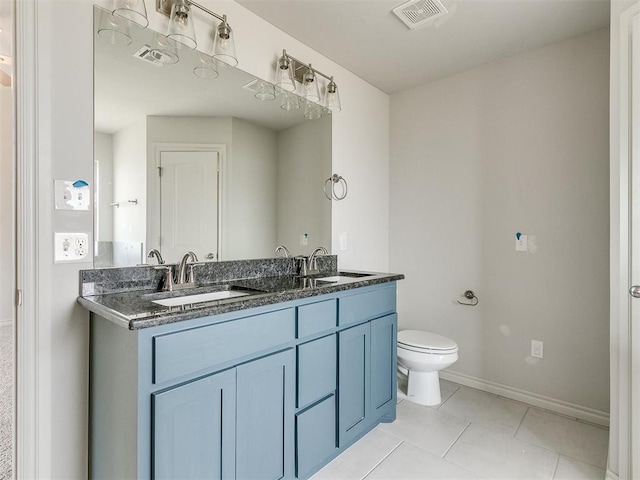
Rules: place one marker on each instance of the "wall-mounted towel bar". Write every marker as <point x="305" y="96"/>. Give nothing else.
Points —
<point x="117" y="204"/>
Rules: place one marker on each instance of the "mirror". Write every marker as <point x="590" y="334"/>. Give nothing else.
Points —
<point x="190" y="163"/>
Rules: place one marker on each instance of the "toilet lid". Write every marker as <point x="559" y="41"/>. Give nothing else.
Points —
<point x="420" y="339"/>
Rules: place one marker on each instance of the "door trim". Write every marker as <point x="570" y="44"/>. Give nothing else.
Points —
<point x="153" y="186"/>
<point x="621" y="455"/>
<point x="32" y="452"/>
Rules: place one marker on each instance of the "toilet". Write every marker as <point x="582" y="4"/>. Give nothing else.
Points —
<point x="420" y="356"/>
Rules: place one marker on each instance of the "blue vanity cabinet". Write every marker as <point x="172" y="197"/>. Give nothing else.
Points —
<point x="272" y="392"/>
<point x="194" y="429"/>
<point x="366" y="361"/>
<point x="264" y="426"/>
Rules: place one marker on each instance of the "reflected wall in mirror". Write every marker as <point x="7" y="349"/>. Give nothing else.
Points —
<point x="184" y="162"/>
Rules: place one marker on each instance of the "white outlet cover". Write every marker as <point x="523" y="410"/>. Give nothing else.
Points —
<point x="521" y="243"/>
<point x="70" y="247"/>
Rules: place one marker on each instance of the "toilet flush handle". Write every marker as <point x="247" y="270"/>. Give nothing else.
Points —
<point x="469" y="295"/>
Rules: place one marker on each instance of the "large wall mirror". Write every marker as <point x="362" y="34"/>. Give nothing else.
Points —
<point x="184" y="162"/>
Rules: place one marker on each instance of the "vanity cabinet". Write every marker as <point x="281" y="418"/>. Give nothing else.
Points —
<point x="272" y="392"/>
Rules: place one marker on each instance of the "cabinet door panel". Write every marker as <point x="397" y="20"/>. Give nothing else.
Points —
<point x="353" y="382"/>
<point x="194" y="429"/>
<point x="383" y="363"/>
<point x="265" y="398"/>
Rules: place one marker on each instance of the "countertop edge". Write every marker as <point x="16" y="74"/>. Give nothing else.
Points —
<point x="267" y="298"/>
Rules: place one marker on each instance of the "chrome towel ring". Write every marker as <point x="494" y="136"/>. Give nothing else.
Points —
<point x="331" y="193"/>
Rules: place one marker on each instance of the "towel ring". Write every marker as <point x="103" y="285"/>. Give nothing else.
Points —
<point x="469" y="295"/>
<point x="331" y="193"/>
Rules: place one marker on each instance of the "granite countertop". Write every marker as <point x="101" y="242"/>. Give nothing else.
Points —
<point x="136" y="309"/>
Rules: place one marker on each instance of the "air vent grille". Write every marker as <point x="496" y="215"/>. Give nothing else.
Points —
<point x="417" y="13"/>
<point x="148" y="54"/>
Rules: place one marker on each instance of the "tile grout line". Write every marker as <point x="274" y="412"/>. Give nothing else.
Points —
<point x="521" y="422"/>
<point x="555" y="470"/>
<point x="454" y="442"/>
<point x="382" y="460"/>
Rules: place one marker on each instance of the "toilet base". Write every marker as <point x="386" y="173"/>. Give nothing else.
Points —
<point x="424" y="388"/>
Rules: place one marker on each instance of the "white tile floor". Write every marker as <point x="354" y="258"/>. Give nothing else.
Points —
<point x="474" y="435"/>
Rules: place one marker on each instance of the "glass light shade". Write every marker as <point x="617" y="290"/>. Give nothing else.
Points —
<point x="133" y="10"/>
<point x="332" y="98"/>
<point x="207" y="68"/>
<point x="289" y="101"/>
<point x="310" y="90"/>
<point x="224" y="46"/>
<point x="264" y="91"/>
<point x="312" y="111"/>
<point x="284" y="75"/>
<point x="163" y="50"/>
<point x="113" y="29"/>
<point x="181" y="28"/>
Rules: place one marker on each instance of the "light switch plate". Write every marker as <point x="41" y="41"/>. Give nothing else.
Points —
<point x="70" y="247"/>
<point x="71" y="197"/>
<point x="521" y="244"/>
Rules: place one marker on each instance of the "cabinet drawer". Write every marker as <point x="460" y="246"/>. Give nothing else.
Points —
<point x="189" y="351"/>
<point x="315" y="436"/>
<point x="316" y="317"/>
<point x="366" y="306"/>
<point x="316" y="370"/>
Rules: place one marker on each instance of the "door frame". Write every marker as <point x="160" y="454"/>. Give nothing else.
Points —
<point x="32" y="413"/>
<point x="625" y="349"/>
<point x="153" y="186"/>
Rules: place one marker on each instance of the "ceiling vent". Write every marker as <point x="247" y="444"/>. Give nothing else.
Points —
<point x="418" y="13"/>
<point x="148" y="54"/>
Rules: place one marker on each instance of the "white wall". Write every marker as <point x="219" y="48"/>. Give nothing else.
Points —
<point x="249" y="217"/>
<point x="103" y="154"/>
<point x="65" y="145"/>
<point x="6" y="206"/>
<point x="517" y="145"/>
<point x="130" y="183"/>
<point x="304" y="152"/>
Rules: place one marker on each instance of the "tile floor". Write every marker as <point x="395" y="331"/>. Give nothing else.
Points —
<point x="474" y="435"/>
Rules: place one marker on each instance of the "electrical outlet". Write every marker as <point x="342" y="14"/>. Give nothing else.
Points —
<point x="521" y="244"/>
<point x="70" y="247"/>
<point x="304" y="239"/>
<point x="537" y="348"/>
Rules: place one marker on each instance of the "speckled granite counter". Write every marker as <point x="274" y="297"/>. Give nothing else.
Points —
<point x="126" y="296"/>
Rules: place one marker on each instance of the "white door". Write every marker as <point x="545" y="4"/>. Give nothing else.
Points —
<point x="189" y="204"/>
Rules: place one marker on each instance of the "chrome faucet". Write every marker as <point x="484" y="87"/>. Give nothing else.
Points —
<point x="181" y="278"/>
<point x="312" y="264"/>
<point x="155" y="253"/>
<point x="282" y="248"/>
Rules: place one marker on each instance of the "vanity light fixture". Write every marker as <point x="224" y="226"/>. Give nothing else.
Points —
<point x="181" y="29"/>
<point x="289" y="70"/>
<point x="114" y="29"/>
<point x="132" y="10"/>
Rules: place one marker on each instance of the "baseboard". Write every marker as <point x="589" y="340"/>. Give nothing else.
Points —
<point x="6" y="323"/>
<point x="557" y="406"/>
<point x="610" y="475"/>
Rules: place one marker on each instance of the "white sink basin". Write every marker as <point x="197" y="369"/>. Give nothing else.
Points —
<point x="202" y="297"/>
<point x="337" y="278"/>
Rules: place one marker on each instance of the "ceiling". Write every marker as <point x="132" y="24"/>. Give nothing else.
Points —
<point x="364" y="36"/>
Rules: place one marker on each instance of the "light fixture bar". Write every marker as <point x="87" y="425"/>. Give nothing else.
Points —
<point x="300" y="68"/>
<point x="164" y="7"/>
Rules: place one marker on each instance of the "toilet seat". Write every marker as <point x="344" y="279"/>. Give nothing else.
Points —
<point x="426" y="342"/>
